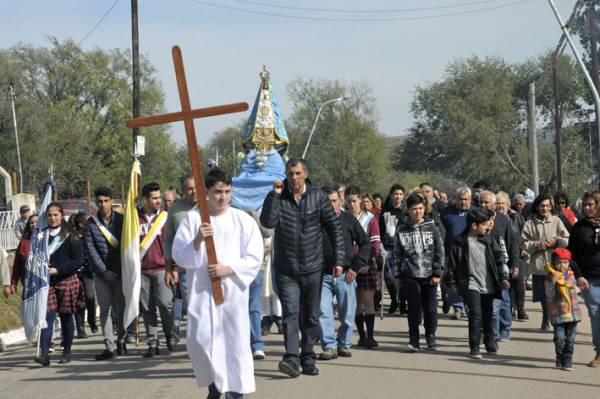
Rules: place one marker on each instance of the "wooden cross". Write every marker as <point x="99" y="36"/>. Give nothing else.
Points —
<point x="187" y="115"/>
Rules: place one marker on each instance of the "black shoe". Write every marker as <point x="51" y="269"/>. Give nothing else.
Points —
<point x="289" y="369"/>
<point x="43" y="360"/>
<point x="361" y="342"/>
<point x="310" y="370"/>
<point x="121" y="348"/>
<point x="151" y="351"/>
<point x="522" y="316"/>
<point x="81" y="333"/>
<point x="445" y="307"/>
<point x="370" y="343"/>
<point x="431" y="344"/>
<point x="172" y="344"/>
<point x="106" y="355"/>
<point x="393" y="307"/>
<point x="475" y="354"/>
<point x="64" y="359"/>
<point x="545" y="325"/>
<point x="94" y="329"/>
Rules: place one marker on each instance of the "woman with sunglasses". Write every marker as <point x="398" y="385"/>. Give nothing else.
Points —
<point x="542" y="234"/>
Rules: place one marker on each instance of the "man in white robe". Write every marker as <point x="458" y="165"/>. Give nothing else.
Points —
<point x="218" y="336"/>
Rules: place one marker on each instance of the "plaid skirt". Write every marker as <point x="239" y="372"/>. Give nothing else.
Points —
<point x="66" y="296"/>
<point x="367" y="280"/>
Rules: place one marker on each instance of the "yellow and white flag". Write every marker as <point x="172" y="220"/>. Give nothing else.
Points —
<point x="130" y="250"/>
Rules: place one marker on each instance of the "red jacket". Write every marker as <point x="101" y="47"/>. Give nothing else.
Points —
<point x="21" y="255"/>
<point x="153" y="260"/>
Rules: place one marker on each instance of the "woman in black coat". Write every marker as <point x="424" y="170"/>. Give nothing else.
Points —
<point x="65" y="295"/>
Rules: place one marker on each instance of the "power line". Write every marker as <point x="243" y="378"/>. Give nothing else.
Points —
<point x="98" y="23"/>
<point x="365" y="11"/>
<point x="415" y="18"/>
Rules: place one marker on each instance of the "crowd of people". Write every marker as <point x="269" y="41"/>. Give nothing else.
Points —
<point x="309" y="246"/>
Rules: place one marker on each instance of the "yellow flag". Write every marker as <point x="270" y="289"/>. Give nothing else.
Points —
<point x="130" y="250"/>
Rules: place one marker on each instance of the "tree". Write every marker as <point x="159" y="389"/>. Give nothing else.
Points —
<point x="466" y="125"/>
<point x="347" y="145"/>
<point x="72" y="106"/>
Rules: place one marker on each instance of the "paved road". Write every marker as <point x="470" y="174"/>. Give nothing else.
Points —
<point x="523" y="369"/>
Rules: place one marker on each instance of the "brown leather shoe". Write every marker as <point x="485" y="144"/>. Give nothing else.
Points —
<point x="595" y="362"/>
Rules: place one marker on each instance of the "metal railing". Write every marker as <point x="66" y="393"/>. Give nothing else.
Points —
<point x="8" y="239"/>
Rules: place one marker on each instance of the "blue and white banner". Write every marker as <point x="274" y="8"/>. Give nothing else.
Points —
<point x="36" y="282"/>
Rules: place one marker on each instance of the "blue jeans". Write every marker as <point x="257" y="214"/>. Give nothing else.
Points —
<point x="255" y="304"/>
<point x="502" y="315"/>
<point x="213" y="392"/>
<point x="453" y="299"/>
<point x="592" y="301"/>
<point x="179" y="304"/>
<point x="345" y="295"/>
<point x="300" y="300"/>
<point x="564" y="343"/>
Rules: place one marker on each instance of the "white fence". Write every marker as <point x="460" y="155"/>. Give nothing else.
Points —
<point x="8" y="239"/>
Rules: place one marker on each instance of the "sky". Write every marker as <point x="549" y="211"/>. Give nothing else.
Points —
<point x="224" y="49"/>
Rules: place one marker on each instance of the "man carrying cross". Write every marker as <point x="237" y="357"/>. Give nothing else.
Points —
<point x="218" y="336"/>
<point x="234" y="270"/>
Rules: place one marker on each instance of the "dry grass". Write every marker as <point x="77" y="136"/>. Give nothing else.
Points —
<point x="9" y="308"/>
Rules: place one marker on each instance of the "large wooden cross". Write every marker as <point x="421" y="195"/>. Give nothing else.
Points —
<point x="187" y="115"/>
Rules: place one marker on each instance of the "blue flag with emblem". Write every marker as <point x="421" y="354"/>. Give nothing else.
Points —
<point x="36" y="281"/>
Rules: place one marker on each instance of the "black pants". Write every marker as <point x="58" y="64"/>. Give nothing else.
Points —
<point x="481" y="309"/>
<point x="90" y="302"/>
<point x="517" y="294"/>
<point x="300" y="298"/>
<point x="422" y="304"/>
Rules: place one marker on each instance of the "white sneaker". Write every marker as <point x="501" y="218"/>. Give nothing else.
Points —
<point x="411" y="349"/>
<point x="258" y="355"/>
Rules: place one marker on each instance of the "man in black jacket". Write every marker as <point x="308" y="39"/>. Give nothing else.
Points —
<point x="102" y="245"/>
<point x="503" y="231"/>
<point x="298" y="212"/>
<point x="343" y="287"/>
<point x="475" y="272"/>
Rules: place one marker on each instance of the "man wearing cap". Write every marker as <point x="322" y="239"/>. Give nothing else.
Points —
<point x="25" y="212"/>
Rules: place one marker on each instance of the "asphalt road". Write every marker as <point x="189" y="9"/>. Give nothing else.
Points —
<point x="524" y="368"/>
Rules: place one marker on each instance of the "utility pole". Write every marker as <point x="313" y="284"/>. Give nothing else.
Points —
<point x="12" y="101"/>
<point x="594" y="53"/>
<point x="135" y="55"/>
<point x="234" y="157"/>
<point x="533" y="140"/>
<point x="557" y="127"/>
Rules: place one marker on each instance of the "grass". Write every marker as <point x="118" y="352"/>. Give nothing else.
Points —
<point x="9" y="308"/>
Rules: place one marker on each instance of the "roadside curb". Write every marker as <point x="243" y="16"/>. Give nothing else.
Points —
<point x="12" y="338"/>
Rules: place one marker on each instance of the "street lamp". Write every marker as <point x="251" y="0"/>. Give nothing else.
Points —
<point x="312" y="131"/>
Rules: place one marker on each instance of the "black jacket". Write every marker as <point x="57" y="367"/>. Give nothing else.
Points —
<point x="101" y="255"/>
<point x="299" y="229"/>
<point x="503" y="229"/>
<point x="585" y="251"/>
<point x="67" y="259"/>
<point x="458" y="263"/>
<point x="389" y="220"/>
<point x="353" y="234"/>
<point x="419" y="250"/>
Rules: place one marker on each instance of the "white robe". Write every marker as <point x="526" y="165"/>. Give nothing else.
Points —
<point x="218" y="337"/>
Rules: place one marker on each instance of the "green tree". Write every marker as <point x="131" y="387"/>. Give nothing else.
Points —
<point x="467" y="125"/>
<point x="347" y="145"/>
<point x="72" y="106"/>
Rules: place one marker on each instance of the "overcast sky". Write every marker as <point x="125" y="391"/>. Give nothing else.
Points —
<point x="224" y="49"/>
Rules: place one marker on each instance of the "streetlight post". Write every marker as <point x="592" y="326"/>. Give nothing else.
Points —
<point x="312" y="131"/>
<point x="12" y="101"/>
